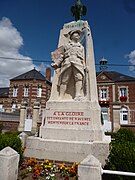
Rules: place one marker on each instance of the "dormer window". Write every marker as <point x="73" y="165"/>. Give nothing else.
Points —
<point x="15" y="90"/>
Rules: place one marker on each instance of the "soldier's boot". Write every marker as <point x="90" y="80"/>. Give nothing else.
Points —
<point x="78" y="89"/>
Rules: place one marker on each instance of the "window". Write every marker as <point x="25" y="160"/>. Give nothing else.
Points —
<point x="13" y="107"/>
<point x="15" y="92"/>
<point x="107" y="124"/>
<point x="26" y="92"/>
<point x="123" y="92"/>
<point x="124" y="115"/>
<point x="1" y="108"/>
<point x="103" y="94"/>
<point x="104" y="112"/>
<point x="39" y="92"/>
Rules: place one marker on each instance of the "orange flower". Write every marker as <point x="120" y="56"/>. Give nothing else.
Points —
<point x="62" y="166"/>
<point x="29" y="162"/>
<point x="37" y="171"/>
<point x="40" y="167"/>
<point x="35" y="168"/>
<point x="35" y="161"/>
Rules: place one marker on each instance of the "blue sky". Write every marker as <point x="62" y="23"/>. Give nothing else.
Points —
<point x="29" y="29"/>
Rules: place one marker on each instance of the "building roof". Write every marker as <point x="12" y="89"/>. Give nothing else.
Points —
<point x="30" y="75"/>
<point x="116" y="76"/>
<point x="4" y="92"/>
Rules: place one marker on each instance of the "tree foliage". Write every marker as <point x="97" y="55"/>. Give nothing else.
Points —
<point x="12" y="140"/>
<point x="122" y="153"/>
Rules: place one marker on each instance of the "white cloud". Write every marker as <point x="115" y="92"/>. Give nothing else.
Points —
<point x="131" y="59"/>
<point x="10" y="43"/>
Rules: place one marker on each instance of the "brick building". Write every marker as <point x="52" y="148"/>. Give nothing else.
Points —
<point x="117" y="100"/>
<point x="29" y="87"/>
<point x="3" y="98"/>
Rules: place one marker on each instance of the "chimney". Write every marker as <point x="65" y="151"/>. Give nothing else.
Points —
<point x="48" y="74"/>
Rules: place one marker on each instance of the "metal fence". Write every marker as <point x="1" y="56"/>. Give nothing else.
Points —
<point x="110" y="173"/>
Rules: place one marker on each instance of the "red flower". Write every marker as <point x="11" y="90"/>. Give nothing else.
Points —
<point x="104" y="101"/>
<point x="123" y="98"/>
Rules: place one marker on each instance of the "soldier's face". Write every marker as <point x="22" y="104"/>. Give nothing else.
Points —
<point x="75" y="36"/>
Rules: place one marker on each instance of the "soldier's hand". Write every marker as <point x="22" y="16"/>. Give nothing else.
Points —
<point x="54" y="65"/>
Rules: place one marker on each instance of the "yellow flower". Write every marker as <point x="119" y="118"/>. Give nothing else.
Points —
<point x="46" y="161"/>
<point x="45" y="166"/>
<point x="49" y="167"/>
<point x="73" y="166"/>
<point x="50" y="164"/>
<point x="61" y="165"/>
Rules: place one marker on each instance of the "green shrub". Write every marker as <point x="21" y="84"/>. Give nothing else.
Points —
<point x="16" y="133"/>
<point x="1" y="127"/>
<point x="122" y="153"/>
<point x="122" y="157"/>
<point x="11" y="140"/>
<point x="124" y="135"/>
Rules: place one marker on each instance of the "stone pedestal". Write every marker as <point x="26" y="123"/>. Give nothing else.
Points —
<point x="9" y="161"/>
<point x="89" y="168"/>
<point x="23" y="136"/>
<point x="116" y="117"/>
<point x="62" y="150"/>
<point x="70" y="132"/>
<point x="22" y="117"/>
<point x="72" y="121"/>
<point x="35" y="117"/>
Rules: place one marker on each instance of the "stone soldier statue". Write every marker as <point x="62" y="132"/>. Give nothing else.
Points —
<point x="71" y="64"/>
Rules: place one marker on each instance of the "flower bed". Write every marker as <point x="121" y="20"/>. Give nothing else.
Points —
<point x="32" y="169"/>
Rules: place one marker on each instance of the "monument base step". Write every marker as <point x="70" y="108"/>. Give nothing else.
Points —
<point x="71" y="151"/>
<point x="72" y="134"/>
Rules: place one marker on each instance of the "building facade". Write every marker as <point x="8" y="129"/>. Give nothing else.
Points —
<point x="117" y="100"/>
<point x="27" y="89"/>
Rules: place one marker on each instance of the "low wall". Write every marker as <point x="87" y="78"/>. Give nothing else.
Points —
<point x="9" y="121"/>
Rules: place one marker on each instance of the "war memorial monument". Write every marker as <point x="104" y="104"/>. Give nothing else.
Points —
<point x="71" y="126"/>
